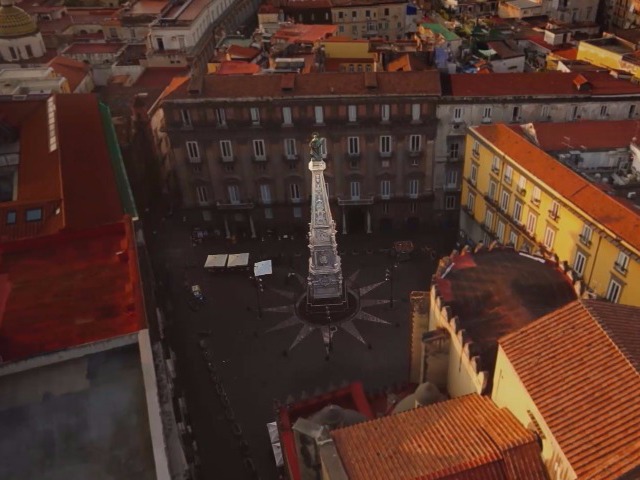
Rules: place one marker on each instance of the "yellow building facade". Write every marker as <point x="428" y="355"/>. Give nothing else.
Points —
<point x="610" y="52"/>
<point x="515" y="193"/>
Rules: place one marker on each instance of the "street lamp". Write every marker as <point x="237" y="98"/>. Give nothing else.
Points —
<point x="389" y="278"/>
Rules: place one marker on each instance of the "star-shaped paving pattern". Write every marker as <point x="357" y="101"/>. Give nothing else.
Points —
<point x="328" y="331"/>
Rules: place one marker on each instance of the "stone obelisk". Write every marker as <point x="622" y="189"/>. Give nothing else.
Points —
<point x="325" y="270"/>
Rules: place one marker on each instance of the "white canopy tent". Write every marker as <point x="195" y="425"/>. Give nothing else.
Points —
<point x="216" y="261"/>
<point x="238" y="260"/>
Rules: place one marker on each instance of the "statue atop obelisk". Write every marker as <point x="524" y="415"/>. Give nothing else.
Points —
<point x="325" y="271"/>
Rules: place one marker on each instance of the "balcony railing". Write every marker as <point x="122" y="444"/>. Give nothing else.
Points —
<point x="362" y="200"/>
<point x="242" y="205"/>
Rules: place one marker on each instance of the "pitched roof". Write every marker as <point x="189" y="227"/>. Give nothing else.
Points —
<point x="532" y="84"/>
<point x="73" y="70"/>
<point x="461" y="439"/>
<point x="614" y="214"/>
<point x="497" y="292"/>
<point x="591" y="135"/>
<point x="574" y="365"/>
<point x="328" y="84"/>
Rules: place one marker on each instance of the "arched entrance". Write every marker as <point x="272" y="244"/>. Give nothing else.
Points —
<point x="356" y="220"/>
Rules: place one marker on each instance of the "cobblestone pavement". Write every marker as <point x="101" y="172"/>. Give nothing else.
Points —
<point x="229" y="418"/>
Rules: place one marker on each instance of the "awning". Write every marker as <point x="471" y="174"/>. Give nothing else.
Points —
<point x="238" y="260"/>
<point x="216" y="261"/>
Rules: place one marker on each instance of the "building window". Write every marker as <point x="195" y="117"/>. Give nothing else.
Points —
<point x="500" y="231"/>
<point x="415" y="143"/>
<point x="319" y="115"/>
<point x="286" y="116"/>
<point x="255" y="116"/>
<point x="11" y="217"/>
<point x="531" y="223"/>
<point x="186" y="117"/>
<point x="473" y="177"/>
<point x="632" y="111"/>
<point x="544" y="113"/>
<point x="415" y="112"/>
<point x="290" y="148"/>
<point x="221" y="117"/>
<point x="471" y="202"/>
<point x="226" y="149"/>
<point x="193" y="152"/>
<point x="352" y="111"/>
<point x="385" y="189"/>
<point x="450" y="202"/>
<point x="513" y="239"/>
<point x="13" y="53"/>
<point x="385" y="113"/>
<point x="203" y="194"/>
<point x="51" y="121"/>
<point x="386" y="12"/>
<point x="452" y="179"/>
<point x="495" y="164"/>
<point x="504" y="201"/>
<point x="265" y="193"/>
<point x="486" y="115"/>
<point x="233" y="191"/>
<point x="488" y="220"/>
<point x="622" y="263"/>
<point x="585" y="235"/>
<point x="354" y="188"/>
<point x="414" y="188"/>
<point x="549" y="238"/>
<point x="354" y="146"/>
<point x="613" y="292"/>
<point x="508" y="174"/>
<point x="535" y="195"/>
<point x="515" y="114"/>
<point x="603" y="111"/>
<point x="522" y="185"/>
<point x="457" y="114"/>
<point x="258" y="150"/>
<point x="385" y="145"/>
<point x="454" y="151"/>
<point x="517" y="211"/>
<point x="555" y="210"/>
<point x="294" y="192"/>
<point x="579" y="263"/>
<point x="476" y="148"/>
<point x="493" y="188"/>
<point x="33" y="215"/>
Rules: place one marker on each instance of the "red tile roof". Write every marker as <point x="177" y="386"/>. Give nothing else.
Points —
<point x="533" y="84"/>
<point x="66" y="290"/>
<point x="568" y="53"/>
<point x="619" y="217"/>
<point x="574" y="365"/>
<point x="91" y="48"/>
<point x="497" y="292"/>
<point x="302" y="33"/>
<point x="73" y="70"/>
<point x="319" y="84"/>
<point x="238" y="52"/>
<point x="467" y="438"/>
<point x="237" y="68"/>
<point x="159" y="77"/>
<point x="587" y="135"/>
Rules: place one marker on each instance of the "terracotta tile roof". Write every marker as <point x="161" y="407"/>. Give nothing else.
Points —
<point x="588" y="135"/>
<point x="73" y="70"/>
<point x="66" y="290"/>
<point x="237" y="68"/>
<point x="314" y="84"/>
<point x="574" y="366"/>
<point x="568" y="53"/>
<point x="497" y="292"/>
<point x="532" y="84"/>
<point x="467" y="438"/>
<point x="238" y="52"/>
<point x="303" y="33"/>
<point x="91" y="48"/>
<point x="618" y="216"/>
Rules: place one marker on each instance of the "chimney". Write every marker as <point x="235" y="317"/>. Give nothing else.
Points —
<point x="196" y="82"/>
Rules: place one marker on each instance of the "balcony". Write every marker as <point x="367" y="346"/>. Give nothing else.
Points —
<point x="620" y="268"/>
<point x="385" y="154"/>
<point x="495" y="170"/>
<point x="261" y="159"/>
<point x="584" y="240"/>
<point x="553" y="215"/>
<point x="521" y="191"/>
<point x="354" y="155"/>
<point x="362" y="200"/>
<point x="230" y="159"/>
<point x="291" y="157"/>
<point x="414" y="153"/>
<point x="241" y="205"/>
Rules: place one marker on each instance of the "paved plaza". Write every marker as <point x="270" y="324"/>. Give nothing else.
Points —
<point x="259" y="360"/>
